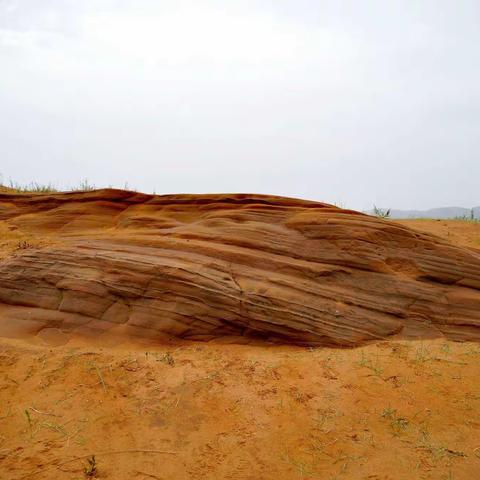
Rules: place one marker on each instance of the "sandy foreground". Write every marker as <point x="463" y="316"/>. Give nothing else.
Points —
<point x="185" y="410"/>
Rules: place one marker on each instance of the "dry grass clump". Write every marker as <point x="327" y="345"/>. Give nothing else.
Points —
<point x="36" y="187"/>
<point x="32" y="187"/>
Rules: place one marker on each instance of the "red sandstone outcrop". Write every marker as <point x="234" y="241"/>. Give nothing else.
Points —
<point x="207" y="266"/>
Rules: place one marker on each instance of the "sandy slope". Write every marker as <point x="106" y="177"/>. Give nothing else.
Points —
<point x="185" y="410"/>
<point x="465" y="234"/>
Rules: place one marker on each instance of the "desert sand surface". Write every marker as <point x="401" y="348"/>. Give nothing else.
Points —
<point x="402" y="402"/>
<point x="463" y="233"/>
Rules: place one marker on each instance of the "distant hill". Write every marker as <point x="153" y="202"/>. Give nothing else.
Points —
<point x="442" y="212"/>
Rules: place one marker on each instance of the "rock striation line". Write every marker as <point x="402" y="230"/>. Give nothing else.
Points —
<point x="207" y="266"/>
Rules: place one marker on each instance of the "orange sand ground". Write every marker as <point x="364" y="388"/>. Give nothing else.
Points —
<point x="393" y="410"/>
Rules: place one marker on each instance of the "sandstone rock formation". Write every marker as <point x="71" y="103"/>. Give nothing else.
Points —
<point x="209" y="266"/>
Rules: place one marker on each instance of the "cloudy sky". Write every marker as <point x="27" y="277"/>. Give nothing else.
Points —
<point x="354" y="102"/>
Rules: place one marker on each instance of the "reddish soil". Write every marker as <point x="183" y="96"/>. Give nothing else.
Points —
<point x="394" y="410"/>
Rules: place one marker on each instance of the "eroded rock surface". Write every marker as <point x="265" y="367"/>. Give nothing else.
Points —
<point x="208" y="266"/>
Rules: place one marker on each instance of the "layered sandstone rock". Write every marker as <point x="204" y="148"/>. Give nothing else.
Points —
<point x="209" y="266"/>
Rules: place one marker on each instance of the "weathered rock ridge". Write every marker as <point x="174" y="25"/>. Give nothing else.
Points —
<point x="209" y="266"/>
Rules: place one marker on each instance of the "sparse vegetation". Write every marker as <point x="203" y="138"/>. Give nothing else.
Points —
<point x="398" y="424"/>
<point x="91" y="469"/>
<point x="35" y="187"/>
<point x="32" y="187"/>
<point x="167" y="358"/>
<point x="84" y="186"/>
<point x="373" y="365"/>
<point x="30" y="421"/>
<point x="470" y="217"/>
<point x="24" y="245"/>
<point x="381" y="212"/>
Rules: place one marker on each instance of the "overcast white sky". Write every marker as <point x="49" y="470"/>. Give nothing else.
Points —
<point x="356" y="102"/>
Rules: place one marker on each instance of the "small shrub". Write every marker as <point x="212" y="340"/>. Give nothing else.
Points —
<point x="32" y="187"/>
<point x="167" y="358"/>
<point x="85" y="186"/>
<point x="24" y="245"/>
<point x="381" y="212"/>
<point x="91" y="469"/>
